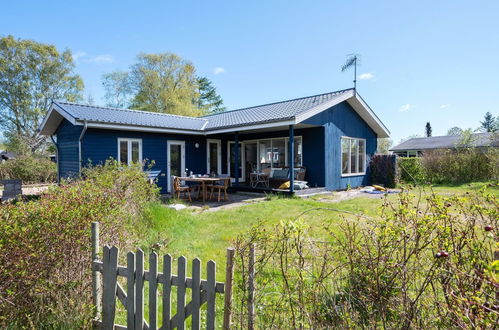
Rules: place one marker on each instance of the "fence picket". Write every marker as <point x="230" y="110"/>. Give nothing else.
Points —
<point x="110" y="284"/>
<point x="182" y="269"/>
<point x="210" y="290"/>
<point x="153" y="286"/>
<point x="167" y="290"/>
<point x="196" y="293"/>
<point x="130" y="282"/>
<point x="203" y="291"/>
<point x="139" y="290"/>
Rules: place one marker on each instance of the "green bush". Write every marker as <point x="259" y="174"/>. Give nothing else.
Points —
<point x="450" y="166"/>
<point x="427" y="263"/>
<point x="383" y="170"/>
<point x="30" y="169"/>
<point x="410" y="170"/>
<point x="45" y="270"/>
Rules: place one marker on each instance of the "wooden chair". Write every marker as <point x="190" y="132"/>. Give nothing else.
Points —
<point x="220" y="187"/>
<point x="178" y="188"/>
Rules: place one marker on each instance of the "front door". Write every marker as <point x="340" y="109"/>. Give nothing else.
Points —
<point x="176" y="160"/>
<point x="214" y="156"/>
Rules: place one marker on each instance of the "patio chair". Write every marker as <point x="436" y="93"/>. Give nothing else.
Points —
<point x="178" y="188"/>
<point x="221" y="185"/>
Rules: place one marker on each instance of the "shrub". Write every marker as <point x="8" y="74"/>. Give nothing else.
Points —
<point x="427" y="263"/>
<point x="30" y="169"/>
<point x="410" y="170"/>
<point x="45" y="272"/>
<point x="383" y="170"/>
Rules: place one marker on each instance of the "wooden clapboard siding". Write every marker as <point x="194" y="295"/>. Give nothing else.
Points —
<point x="342" y="120"/>
<point x="68" y="149"/>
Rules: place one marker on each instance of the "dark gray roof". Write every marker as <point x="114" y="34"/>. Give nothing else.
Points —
<point x="295" y="110"/>
<point x="130" y="117"/>
<point x="269" y="112"/>
<point x="448" y="142"/>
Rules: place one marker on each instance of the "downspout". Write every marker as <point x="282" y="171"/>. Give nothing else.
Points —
<point x="56" y="158"/>
<point x="79" y="144"/>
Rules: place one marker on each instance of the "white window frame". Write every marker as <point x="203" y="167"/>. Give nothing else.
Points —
<point x="350" y="156"/>
<point x="219" y="155"/>
<point x="129" y="151"/>
<point x="286" y="151"/>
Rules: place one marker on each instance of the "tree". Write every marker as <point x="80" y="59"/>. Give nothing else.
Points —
<point x="454" y="131"/>
<point x="489" y="123"/>
<point x="118" y="89"/>
<point x="428" y="129"/>
<point x="165" y="83"/>
<point x="208" y="101"/>
<point x="384" y="145"/>
<point x="32" y="75"/>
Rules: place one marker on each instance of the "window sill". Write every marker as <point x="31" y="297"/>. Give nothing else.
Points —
<point x="353" y="174"/>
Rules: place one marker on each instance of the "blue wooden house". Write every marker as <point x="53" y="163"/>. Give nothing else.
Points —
<point x="332" y="135"/>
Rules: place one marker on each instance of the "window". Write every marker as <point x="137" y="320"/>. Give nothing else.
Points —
<point x="129" y="151"/>
<point x="353" y="156"/>
<point x="274" y="152"/>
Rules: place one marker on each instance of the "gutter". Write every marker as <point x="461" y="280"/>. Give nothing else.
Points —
<point x="56" y="158"/>
<point x="79" y="143"/>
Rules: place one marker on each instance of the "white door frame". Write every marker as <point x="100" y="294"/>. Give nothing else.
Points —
<point x="241" y="157"/>
<point x="219" y="155"/>
<point x="182" y="159"/>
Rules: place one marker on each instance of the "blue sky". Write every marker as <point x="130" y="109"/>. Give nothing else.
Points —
<point x="422" y="61"/>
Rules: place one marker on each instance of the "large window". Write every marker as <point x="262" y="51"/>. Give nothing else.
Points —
<point x="274" y="152"/>
<point x="353" y="156"/>
<point x="129" y="151"/>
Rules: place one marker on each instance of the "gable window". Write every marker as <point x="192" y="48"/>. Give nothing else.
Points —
<point x="353" y="156"/>
<point x="129" y="151"/>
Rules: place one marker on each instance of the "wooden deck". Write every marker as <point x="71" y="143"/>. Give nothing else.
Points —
<point x="247" y="188"/>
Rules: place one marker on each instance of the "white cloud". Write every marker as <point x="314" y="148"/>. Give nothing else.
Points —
<point x="366" y="76"/>
<point x="218" y="70"/>
<point x="78" y="55"/>
<point x="101" y="59"/>
<point x="406" y="107"/>
<point x="444" y="106"/>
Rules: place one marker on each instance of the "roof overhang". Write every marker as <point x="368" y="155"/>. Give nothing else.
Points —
<point x="53" y="119"/>
<point x="141" y="128"/>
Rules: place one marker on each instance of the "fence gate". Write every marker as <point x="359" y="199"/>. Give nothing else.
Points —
<point x="203" y="291"/>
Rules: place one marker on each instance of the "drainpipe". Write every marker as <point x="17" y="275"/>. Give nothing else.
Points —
<point x="56" y="158"/>
<point x="79" y="144"/>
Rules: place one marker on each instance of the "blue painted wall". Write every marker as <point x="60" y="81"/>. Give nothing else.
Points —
<point x="68" y="149"/>
<point x="99" y="145"/>
<point x="342" y="120"/>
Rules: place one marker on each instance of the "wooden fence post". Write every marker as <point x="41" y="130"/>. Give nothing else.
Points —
<point x="251" y="288"/>
<point x="153" y="295"/>
<point x="181" y="273"/>
<point x="130" y="296"/>
<point x="211" y="293"/>
<point x="196" y="294"/>
<point x="110" y="271"/>
<point x="229" y="274"/>
<point x="96" y="276"/>
<point x="139" y="289"/>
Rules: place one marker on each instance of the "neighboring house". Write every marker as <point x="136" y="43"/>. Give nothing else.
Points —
<point x="332" y="135"/>
<point x="5" y="155"/>
<point x="417" y="146"/>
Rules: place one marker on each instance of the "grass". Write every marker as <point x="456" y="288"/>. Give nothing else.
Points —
<point x="206" y="235"/>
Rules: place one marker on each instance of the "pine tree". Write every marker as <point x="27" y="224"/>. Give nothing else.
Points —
<point x="428" y="129"/>
<point x="489" y="123"/>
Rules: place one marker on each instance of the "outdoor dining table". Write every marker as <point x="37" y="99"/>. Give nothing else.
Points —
<point x="203" y="181"/>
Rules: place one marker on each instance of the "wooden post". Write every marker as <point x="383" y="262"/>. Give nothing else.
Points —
<point x="211" y="295"/>
<point x="167" y="289"/>
<point x="139" y="289"/>
<point x="110" y="270"/>
<point x="130" y="297"/>
<point x="153" y="295"/>
<point x="196" y="294"/>
<point x="251" y="288"/>
<point x="96" y="276"/>
<point x="182" y="267"/>
<point x="291" y="158"/>
<point x="229" y="274"/>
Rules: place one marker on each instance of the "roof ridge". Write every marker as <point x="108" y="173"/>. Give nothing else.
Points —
<point x="129" y="110"/>
<point x="272" y="103"/>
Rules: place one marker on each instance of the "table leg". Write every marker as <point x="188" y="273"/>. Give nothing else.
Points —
<point x="204" y="191"/>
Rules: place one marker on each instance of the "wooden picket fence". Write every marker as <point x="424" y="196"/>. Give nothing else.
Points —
<point x="106" y="289"/>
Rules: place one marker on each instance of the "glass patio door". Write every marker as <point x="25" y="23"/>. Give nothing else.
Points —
<point x="214" y="156"/>
<point x="231" y="160"/>
<point x="176" y="160"/>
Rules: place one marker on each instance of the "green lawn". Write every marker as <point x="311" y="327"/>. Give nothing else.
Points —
<point x="206" y="235"/>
